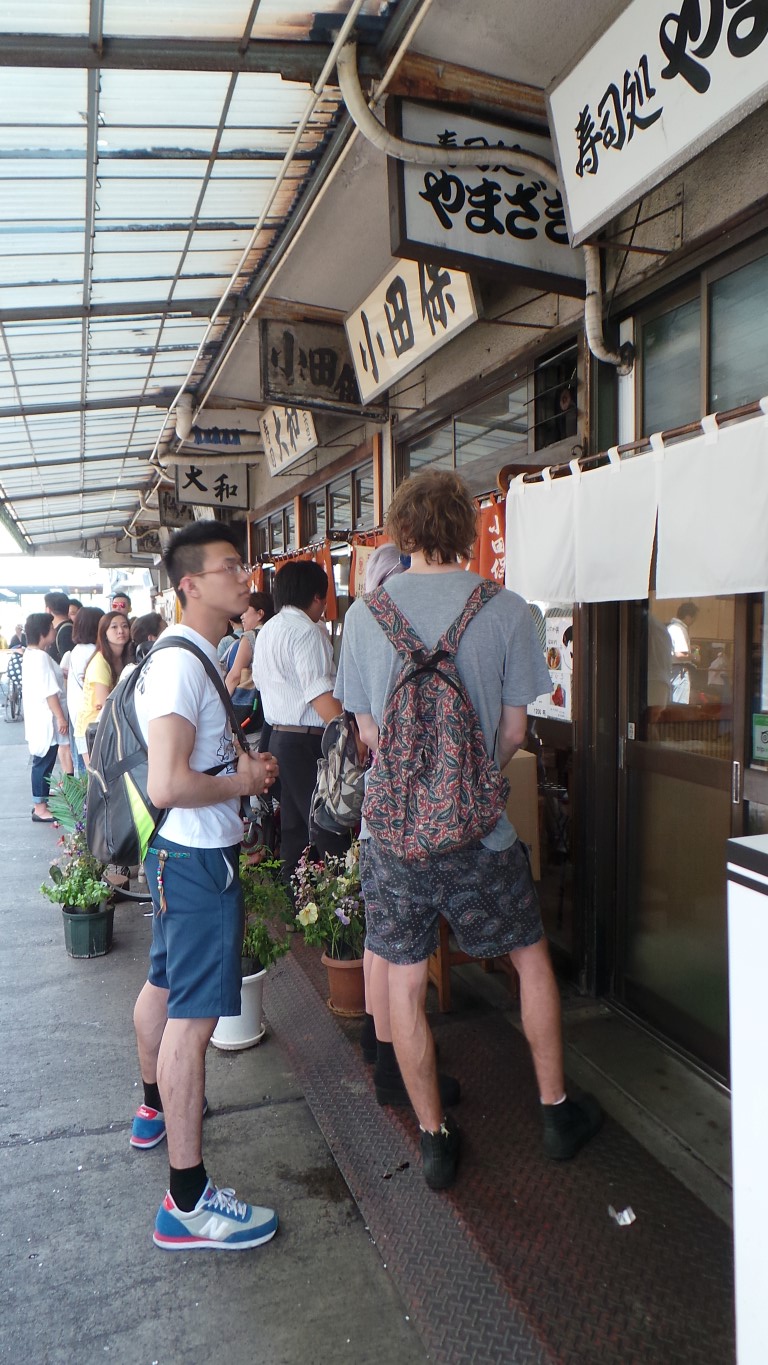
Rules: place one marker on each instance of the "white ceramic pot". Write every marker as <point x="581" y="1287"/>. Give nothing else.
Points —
<point x="246" y="1029"/>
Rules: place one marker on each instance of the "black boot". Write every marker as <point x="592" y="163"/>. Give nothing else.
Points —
<point x="440" y="1154"/>
<point x="569" y="1125"/>
<point x="390" y="1087"/>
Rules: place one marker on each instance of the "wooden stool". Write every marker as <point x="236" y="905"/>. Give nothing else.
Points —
<point x="445" y="957"/>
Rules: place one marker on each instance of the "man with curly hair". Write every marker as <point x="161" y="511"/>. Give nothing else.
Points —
<point x="484" y="889"/>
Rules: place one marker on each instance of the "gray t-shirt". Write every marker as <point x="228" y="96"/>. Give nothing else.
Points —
<point x="499" y="657"/>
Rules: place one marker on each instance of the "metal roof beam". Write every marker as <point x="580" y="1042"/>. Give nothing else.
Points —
<point x="142" y="311"/>
<point x="160" y="399"/>
<point x="300" y="60"/>
<point x="74" y="493"/>
<point x="91" y="460"/>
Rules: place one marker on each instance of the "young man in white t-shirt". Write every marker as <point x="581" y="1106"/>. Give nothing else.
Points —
<point x="192" y="869"/>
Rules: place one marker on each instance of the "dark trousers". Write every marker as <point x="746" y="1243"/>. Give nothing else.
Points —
<point x="297" y="756"/>
<point x="41" y="774"/>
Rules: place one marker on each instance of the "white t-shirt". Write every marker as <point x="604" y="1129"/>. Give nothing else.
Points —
<point x="40" y="679"/>
<point x="174" y="682"/>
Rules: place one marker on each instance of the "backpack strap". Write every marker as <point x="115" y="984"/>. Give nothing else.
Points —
<point x="403" y="637"/>
<point x="178" y="642"/>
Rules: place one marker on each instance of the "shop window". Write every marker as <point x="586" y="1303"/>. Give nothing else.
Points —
<point x="362" y="487"/>
<point x="260" y="540"/>
<point x="671" y="348"/>
<point x="340" y="503"/>
<point x="538" y="410"/>
<point x="708" y="350"/>
<point x="314" y="518"/>
<point x="276" y="533"/>
<point x="739" y="337"/>
<point x="555" y="401"/>
<point x="490" y="435"/>
<point x="290" y="529"/>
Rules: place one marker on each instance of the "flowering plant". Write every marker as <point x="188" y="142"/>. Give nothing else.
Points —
<point x="329" y="900"/>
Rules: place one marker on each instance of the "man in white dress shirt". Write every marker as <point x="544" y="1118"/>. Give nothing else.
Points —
<point x="293" y="670"/>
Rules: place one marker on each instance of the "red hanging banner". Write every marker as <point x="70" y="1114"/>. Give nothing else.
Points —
<point x="490" y="551"/>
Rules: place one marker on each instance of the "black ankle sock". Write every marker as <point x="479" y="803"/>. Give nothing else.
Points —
<point x="386" y="1061"/>
<point x="152" y="1096"/>
<point x="187" y="1185"/>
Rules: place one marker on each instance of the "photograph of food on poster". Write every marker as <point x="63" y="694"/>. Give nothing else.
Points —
<point x="557" y="704"/>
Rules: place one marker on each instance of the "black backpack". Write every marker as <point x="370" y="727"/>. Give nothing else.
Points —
<point x="120" y="819"/>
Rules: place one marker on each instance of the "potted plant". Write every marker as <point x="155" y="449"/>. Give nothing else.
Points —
<point x="267" y="903"/>
<point x="77" y="878"/>
<point x="331" y="915"/>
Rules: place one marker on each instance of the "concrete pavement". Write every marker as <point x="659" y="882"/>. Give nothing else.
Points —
<point x="81" y="1278"/>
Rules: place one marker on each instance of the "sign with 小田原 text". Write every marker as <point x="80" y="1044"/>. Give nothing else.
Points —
<point x="497" y="213"/>
<point x="414" y="311"/>
<point x="665" y="80"/>
<point x="309" y="364"/>
<point x="212" y="484"/>
<point x="288" y="434"/>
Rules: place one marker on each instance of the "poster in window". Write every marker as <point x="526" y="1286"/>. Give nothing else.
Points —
<point x="557" y="704"/>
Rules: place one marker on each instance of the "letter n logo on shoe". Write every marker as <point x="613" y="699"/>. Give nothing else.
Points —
<point x="215" y="1228"/>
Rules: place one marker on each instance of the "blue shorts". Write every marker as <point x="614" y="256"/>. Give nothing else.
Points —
<point x="197" y="939"/>
<point x="487" y="897"/>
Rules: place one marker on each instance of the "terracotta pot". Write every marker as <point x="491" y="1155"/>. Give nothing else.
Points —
<point x="346" y="985"/>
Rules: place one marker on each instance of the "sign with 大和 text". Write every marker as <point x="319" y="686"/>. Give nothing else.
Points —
<point x="309" y="363"/>
<point x="495" y="213"/>
<point x="212" y="485"/>
<point x="666" y="79"/>
<point x="414" y="311"/>
<point x="288" y="433"/>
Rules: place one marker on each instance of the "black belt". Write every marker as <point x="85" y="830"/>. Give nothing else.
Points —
<point x="301" y="729"/>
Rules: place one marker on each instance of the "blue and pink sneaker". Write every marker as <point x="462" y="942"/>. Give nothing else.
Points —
<point x="219" y="1221"/>
<point x="148" y="1127"/>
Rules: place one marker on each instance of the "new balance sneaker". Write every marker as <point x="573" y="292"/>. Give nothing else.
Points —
<point x="569" y="1125"/>
<point x="148" y="1128"/>
<point x="440" y="1154"/>
<point x="218" y="1221"/>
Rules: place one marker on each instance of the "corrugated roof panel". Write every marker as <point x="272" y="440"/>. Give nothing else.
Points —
<point x="264" y="100"/>
<point x="44" y="94"/>
<point x="33" y="269"/>
<point x="225" y="19"/>
<point x="197" y="288"/>
<point x="154" y="143"/>
<point x="157" y="99"/>
<point x="292" y="19"/>
<point x="44" y="16"/>
<point x="43" y="199"/>
<point x="68" y="136"/>
<point x="33" y="167"/>
<point x="43" y="296"/>
<point x="149" y="201"/>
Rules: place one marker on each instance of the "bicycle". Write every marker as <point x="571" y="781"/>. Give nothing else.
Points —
<point x="13" y="703"/>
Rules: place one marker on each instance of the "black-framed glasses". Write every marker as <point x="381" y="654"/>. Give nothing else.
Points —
<point x="231" y="566"/>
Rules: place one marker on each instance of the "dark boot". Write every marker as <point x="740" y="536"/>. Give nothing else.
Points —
<point x="390" y="1087"/>
<point x="569" y="1125"/>
<point x="440" y="1153"/>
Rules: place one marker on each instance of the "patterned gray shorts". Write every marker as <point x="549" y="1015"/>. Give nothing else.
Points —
<point x="487" y="897"/>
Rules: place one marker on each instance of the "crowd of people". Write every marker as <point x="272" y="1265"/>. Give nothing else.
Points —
<point x="68" y="658"/>
<point x="424" y="611"/>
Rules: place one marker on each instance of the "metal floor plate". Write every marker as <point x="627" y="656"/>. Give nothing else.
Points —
<point x="520" y="1261"/>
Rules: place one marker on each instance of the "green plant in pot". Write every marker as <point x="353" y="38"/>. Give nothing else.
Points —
<point x="77" y="881"/>
<point x="265" y="938"/>
<point x="77" y="878"/>
<point x="267" y="906"/>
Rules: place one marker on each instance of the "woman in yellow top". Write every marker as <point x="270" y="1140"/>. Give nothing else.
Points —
<point x="112" y="651"/>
